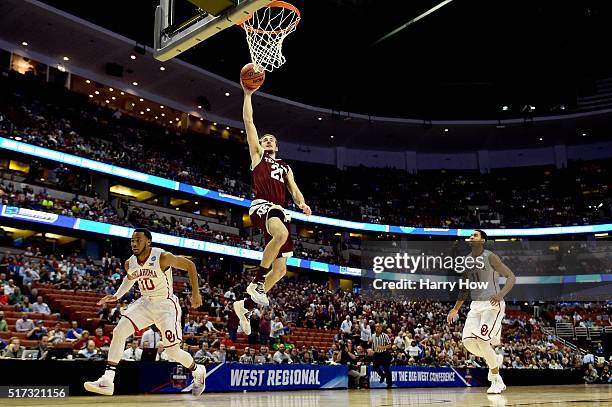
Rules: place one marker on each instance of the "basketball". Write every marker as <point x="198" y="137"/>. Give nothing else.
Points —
<point x="252" y="79"/>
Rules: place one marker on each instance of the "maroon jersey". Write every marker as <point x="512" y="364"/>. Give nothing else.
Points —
<point x="269" y="179"/>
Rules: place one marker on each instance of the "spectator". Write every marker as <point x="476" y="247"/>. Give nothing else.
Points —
<point x="82" y="341"/>
<point x="152" y="337"/>
<point x="590" y="375"/>
<point x="133" y="352"/>
<point x="57" y="335"/>
<point x="100" y="340"/>
<point x="43" y="348"/>
<point x="90" y="351"/>
<point x="16" y="298"/>
<point x="276" y="329"/>
<point x="14" y="350"/>
<point x="191" y="327"/>
<point x="9" y="288"/>
<point x="220" y="354"/>
<point x="203" y="355"/>
<point x="346" y="326"/>
<point x="413" y="350"/>
<point x="38" y="331"/>
<point x="41" y="307"/>
<point x="74" y="333"/>
<point x="265" y="329"/>
<point x="307" y="358"/>
<point x="3" y="324"/>
<point x="209" y="325"/>
<point x="24" y="306"/>
<point x="24" y="324"/>
<point x="248" y="356"/>
<point x="263" y="357"/>
<point x="281" y="355"/>
<point x="365" y="332"/>
<point x="161" y="355"/>
<point x="588" y="358"/>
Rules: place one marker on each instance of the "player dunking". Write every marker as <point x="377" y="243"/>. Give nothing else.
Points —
<point x="271" y="176"/>
<point x="151" y="267"/>
<point x="483" y="324"/>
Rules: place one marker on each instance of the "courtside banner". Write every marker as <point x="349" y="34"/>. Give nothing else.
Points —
<point x="413" y="376"/>
<point x="228" y="377"/>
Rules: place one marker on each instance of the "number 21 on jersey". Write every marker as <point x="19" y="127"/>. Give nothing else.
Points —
<point x="277" y="172"/>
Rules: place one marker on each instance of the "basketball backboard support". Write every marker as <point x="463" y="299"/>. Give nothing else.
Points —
<point x="173" y="38"/>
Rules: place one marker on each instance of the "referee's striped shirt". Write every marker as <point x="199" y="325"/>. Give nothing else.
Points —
<point x="378" y="341"/>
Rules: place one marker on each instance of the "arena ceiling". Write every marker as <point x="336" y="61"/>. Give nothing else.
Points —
<point x="463" y="63"/>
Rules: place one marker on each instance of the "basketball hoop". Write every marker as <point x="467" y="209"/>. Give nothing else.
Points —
<point x="266" y="29"/>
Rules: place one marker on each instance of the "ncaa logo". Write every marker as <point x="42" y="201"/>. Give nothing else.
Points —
<point x="153" y="258"/>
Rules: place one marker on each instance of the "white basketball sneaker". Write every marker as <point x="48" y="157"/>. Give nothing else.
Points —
<point x="497" y="385"/>
<point x="500" y="361"/>
<point x="257" y="293"/>
<point x="242" y="313"/>
<point x="104" y="385"/>
<point x="199" y="380"/>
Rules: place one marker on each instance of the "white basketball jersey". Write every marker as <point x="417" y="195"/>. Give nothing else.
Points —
<point x="484" y="274"/>
<point x="152" y="280"/>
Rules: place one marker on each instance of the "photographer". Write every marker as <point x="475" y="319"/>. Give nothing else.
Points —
<point x="346" y="357"/>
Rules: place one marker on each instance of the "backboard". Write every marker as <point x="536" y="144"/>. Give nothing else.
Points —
<point x="172" y="38"/>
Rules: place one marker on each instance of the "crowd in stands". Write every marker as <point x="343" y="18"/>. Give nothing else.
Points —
<point x="96" y="209"/>
<point x="65" y="121"/>
<point x="418" y="330"/>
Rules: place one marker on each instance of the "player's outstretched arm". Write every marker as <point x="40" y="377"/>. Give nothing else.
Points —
<point x="126" y="285"/>
<point x="295" y="192"/>
<point x="255" y="149"/>
<point x="182" y="263"/>
<point x="503" y="271"/>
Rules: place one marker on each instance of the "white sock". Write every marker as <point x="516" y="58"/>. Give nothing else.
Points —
<point x="110" y="374"/>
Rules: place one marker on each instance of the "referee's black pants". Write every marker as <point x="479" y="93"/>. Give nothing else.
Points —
<point x="382" y="366"/>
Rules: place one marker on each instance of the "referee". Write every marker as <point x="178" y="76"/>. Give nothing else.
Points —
<point x="382" y="357"/>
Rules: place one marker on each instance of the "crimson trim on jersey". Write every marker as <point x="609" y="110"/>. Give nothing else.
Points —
<point x="133" y="324"/>
<point x="494" y="322"/>
<point x="176" y="320"/>
<point x="169" y="346"/>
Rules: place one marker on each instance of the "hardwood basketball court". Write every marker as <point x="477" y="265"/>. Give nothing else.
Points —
<point x="575" y="396"/>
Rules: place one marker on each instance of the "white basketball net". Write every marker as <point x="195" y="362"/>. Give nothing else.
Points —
<point x="265" y="32"/>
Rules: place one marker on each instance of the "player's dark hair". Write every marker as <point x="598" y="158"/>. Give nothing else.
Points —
<point x="145" y="232"/>
<point x="483" y="234"/>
